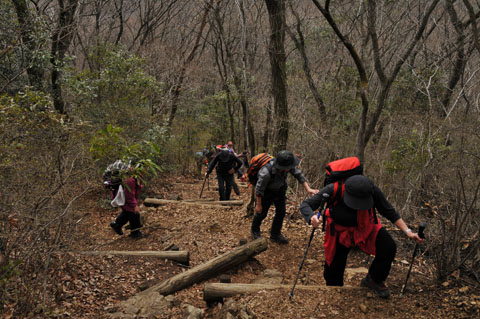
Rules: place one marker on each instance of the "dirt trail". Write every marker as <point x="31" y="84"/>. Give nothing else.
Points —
<point x="94" y="285"/>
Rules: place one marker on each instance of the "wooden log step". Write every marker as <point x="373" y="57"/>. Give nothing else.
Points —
<point x="156" y="201"/>
<point x="218" y="291"/>
<point x="182" y="257"/>
<point x="210" y="268"/>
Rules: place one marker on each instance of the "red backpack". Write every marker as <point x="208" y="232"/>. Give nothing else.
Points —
<point x="337" y="172"/>
<point x="255" y="164"/>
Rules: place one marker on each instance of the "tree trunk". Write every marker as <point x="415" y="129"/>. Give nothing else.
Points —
<point x="276" y="50"/>
<point x="211" y="268"/>
<point x="60" y="42"/>
<point x="34" y="72"/>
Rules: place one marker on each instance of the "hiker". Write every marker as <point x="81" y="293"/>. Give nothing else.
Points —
<point x="271" y="187"/>
<point x="130" y="210"/>
<point x="239" y="171"/>
<point x="228" y="164"/>
<point x="352" y="221"/>
<point x="229" y="146"/>
<point x="199" y="160"/>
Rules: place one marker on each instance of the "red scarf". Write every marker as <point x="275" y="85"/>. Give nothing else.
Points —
<point x="363" y="235"/>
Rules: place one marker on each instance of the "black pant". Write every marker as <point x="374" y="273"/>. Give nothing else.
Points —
<point x="126" y="216"/>
<point x="379" y="269"/>
<point x="279" y="200"/>
<point x="225" y="182"/>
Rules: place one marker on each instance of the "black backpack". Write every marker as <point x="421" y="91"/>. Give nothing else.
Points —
<point x="113" y="174"/>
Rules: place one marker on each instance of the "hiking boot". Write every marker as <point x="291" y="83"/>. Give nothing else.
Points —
<point x="380" y="289"/>
<point x="116" y="228"/>
<point x="256" y="234"/>
<point x="279" y="239"/>
<point x="136" y="234"/>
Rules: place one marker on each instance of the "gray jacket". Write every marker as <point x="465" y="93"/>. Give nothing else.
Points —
<point x="270" y="179"/>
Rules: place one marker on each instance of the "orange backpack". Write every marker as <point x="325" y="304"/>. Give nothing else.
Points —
<point x="255" y="164"/>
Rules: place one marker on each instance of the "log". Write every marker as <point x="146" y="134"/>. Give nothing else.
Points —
<point x="218" y="291"/>
<point x="156" y="201"/>
<point x="178" y="256"/>
<point x="210" y="268"/>
<point x="200" y="200"/>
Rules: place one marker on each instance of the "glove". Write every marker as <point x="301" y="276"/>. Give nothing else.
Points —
<point x="243" y="178"/>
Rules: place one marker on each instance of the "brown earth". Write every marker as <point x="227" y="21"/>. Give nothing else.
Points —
<point x="94" y="286"/>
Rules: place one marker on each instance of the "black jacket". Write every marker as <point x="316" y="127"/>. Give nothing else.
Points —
<point x="224" y="166"/>
<point x="344" y="215"/>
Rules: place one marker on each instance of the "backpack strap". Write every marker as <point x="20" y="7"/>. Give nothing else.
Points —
<point x="338" y="192"/>
<point x="337" y="196"/>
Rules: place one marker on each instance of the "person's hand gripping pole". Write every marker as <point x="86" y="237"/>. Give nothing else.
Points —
<point x="421" y="228"/>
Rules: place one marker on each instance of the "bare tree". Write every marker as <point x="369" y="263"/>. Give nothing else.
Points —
<point x="382" y="62"/>
<point x="181" y="76"/>
<point x="300" y="45"/>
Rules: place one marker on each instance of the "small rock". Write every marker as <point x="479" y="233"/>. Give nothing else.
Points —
<point x="363" y="308"/>
<point x="193" y="313"/>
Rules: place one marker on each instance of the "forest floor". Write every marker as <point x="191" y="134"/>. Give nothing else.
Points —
<point x="94" y="286"/>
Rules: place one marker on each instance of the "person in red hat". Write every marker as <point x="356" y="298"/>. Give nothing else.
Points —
<point x="352" y="221"/>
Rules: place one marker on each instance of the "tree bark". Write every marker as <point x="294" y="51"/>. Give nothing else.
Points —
<point x="276" y="50"/>
<point x="178" y="256"/>
<point x="218" y="291"/>
<point x="210" y="269"/>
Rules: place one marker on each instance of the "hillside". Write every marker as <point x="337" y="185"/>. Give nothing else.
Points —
<point x="96" y="286"/>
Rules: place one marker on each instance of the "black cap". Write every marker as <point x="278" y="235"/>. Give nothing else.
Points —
<point x="224" y="155"/>
<point x="285" y="160"/>
<point x="358" y="192"/>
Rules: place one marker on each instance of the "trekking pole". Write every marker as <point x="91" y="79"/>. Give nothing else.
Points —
<point x="203" y="185"/>
<point x="421" y="228"/>
<point x="320" y="212"/>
